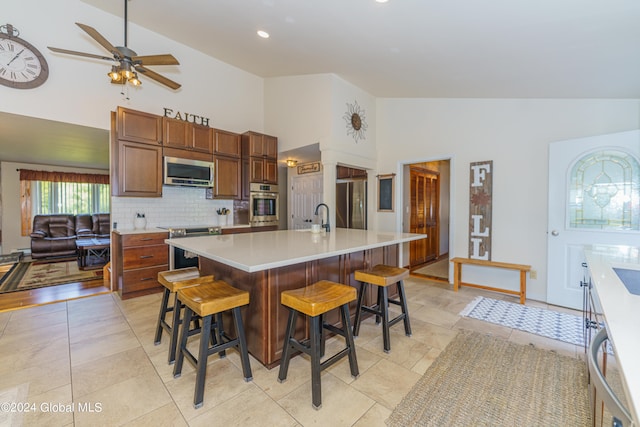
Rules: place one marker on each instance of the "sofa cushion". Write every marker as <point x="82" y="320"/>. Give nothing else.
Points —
<point x="101" y="224"/>
<point x="84" y="225"/>
<point x="60" y="225"/>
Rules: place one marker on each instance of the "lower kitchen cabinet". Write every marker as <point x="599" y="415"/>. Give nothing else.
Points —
<point x="136" y="260"/>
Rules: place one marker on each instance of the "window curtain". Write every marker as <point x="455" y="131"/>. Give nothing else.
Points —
<point x="27" y="176"/>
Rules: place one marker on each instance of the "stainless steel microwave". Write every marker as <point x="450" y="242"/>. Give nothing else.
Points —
<point x="187" y="172"/>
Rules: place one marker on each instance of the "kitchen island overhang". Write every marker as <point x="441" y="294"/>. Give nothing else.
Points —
<point x="267" y="263"/>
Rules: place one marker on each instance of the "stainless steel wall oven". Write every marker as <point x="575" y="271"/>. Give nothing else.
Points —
<point x="263" y="204"/>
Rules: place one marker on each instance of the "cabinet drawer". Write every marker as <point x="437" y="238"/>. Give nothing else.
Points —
<point x="142" y="278"/>
<point x="144" y="239"/>
<point x="145" y="256"/>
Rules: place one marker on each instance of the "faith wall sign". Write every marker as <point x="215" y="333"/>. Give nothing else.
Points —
<point x="480" y="195"/>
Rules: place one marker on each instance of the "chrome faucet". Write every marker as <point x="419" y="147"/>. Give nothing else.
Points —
<point x="326" y="226"/>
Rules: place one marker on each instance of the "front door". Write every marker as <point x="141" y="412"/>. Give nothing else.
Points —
<point x="593" y="199"/>
<point x="425" y="200"/>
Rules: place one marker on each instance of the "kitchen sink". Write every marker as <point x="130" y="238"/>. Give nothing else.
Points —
<point x="630" y="278"/>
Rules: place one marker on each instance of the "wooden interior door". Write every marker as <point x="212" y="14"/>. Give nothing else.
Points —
<point x="425" y="208"/>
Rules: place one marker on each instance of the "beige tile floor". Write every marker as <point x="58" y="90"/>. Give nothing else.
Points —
<point x="92" y="361"/>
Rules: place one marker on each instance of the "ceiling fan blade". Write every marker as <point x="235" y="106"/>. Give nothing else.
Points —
<point x="98" y="37"/>
<point x="73" y="52"/>
<point x="166" y="59"/>
<point x="157" y="77"/>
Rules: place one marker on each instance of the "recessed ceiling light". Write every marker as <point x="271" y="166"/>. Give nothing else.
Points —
<point x="381" y="1"/>
<point x="263" y="34"/>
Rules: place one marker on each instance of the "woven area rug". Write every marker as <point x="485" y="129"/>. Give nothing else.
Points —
<point x="480" y="380"/>
<point x="38" y="274"/>
<point x="547" y="323"/>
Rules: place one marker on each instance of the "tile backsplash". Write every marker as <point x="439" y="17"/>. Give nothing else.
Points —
<point x="178" y="206"/>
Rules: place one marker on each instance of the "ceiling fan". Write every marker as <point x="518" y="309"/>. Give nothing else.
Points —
<point x="129" y="64"/>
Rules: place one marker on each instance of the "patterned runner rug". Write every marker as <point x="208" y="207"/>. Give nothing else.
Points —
<point x="547" y="323"/>
<point x="39" y="274"/>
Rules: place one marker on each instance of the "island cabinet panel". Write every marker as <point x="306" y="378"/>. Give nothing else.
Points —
<point x="265" y="319"/>
<point x="136" y="261"/>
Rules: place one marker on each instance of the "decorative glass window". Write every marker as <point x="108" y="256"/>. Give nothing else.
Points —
<point x="604" y="193"/>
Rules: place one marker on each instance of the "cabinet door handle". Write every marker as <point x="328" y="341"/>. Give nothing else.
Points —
<point x="146" y="239"/>
<point x="146" y="256"/>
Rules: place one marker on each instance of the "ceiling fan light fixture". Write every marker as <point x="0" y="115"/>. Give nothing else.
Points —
<point x="114" y="74"/>
<point x="134" y="80"/>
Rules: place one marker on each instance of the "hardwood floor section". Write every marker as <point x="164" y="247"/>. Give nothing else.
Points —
<point x="32" y="297"/>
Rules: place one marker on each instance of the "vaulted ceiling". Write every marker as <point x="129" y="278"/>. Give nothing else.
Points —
<point x="401" y="48"/>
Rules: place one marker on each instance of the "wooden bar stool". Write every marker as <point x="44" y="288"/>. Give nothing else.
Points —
<point x="382" y="276"/>
<point x="173" y="280"/>
<point x="314" y="301"/>
<point x="206" y="300"/>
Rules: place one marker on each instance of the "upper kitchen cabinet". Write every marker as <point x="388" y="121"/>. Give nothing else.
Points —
<point x="259" y="145"/>
<point x="138" y="126"/>
<point x="262" y="152"/>
<point x="136" y="157"/>
<point x="187" y="140"/>
<point x="227" y="166"/>
<point x="343" y="172"/>
<point x="136" y="169"/>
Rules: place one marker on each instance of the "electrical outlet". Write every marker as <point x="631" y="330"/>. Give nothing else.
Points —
<point x="533" y="274"/>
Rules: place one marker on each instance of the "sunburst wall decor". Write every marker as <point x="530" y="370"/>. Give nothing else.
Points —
<point x="356" y="121"/>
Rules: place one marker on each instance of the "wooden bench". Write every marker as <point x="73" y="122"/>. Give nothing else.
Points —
<point x="457" y="275"/>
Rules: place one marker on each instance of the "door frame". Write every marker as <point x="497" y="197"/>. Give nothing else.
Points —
<point x="402" y="167"/>
<point x="423" y="171"/>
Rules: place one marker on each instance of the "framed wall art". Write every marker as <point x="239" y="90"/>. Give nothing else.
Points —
<point x="386" y="199"/>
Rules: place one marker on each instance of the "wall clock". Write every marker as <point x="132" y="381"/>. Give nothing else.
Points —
<point x="22" y="66"/>
<point x="356" y="121"/>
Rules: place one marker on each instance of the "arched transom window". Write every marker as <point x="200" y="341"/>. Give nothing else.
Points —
<point x="604" y="193"/>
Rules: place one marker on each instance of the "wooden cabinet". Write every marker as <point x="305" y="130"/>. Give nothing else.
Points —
<point x="266" y="319"/>
<point x="260" y="145"/>
<point x="228" y="177"/>
<point x="136" y="154"/>
<point x="262" y="152"/>
<point x="344" y="172"/>
<point x="263" y="170"/>
<point x="227" y="166"/>
<point x="136" y="260"/>
<point x="187" y="140"/>
<point x="187" y="136"/>
<point x="226" y="143"/>
<point x="136" y="169"/>
<point x="138" y="126"/>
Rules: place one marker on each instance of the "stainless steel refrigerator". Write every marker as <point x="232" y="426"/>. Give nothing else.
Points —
<point x="351" y="204"/>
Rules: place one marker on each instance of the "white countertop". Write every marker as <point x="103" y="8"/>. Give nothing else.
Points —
<point x="621" y="311"/>
<point x="124" y="231"/>
<point x="253" y="252"/>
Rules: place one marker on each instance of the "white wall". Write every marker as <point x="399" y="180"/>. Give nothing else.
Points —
<point x="78" y="90"/>
<point x="304" y="110"/>
<point x="515" y="134"/>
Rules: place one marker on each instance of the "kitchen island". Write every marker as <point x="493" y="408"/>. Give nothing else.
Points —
<point x="267" y="263"/>
<point x="620" y="309"/>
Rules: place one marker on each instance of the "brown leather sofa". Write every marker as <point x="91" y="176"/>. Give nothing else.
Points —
<point x="56" y="235"/>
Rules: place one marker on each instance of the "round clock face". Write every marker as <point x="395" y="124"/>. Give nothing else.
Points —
<point x="22" y="66"/>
